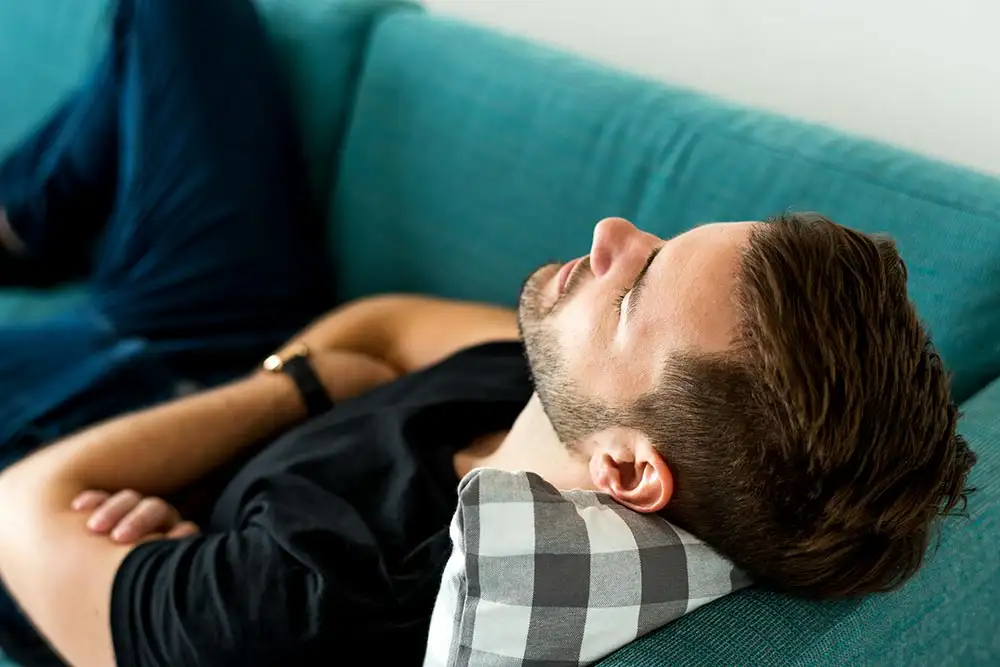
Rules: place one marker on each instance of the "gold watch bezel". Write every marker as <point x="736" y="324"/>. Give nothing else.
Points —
<point x="276" y="362"/>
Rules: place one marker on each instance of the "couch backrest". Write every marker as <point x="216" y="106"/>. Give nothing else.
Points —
<point x="45" y="47"/>
<point x="473" y="157"/>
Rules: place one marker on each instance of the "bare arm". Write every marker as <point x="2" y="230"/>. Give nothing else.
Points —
<point x="411" y="332"/>
<point x="62" y="575"/>
<point x="161" y="450"/>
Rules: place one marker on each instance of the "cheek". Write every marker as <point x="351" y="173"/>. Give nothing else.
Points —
<point x="578" y="325"/>
<point x="593" y="357"/>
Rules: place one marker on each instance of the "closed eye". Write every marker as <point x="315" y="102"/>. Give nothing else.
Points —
<point x="619" y="299"/>
<point x="640" y="282"/>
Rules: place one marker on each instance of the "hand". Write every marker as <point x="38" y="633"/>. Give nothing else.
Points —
<point x="127" y="517"/>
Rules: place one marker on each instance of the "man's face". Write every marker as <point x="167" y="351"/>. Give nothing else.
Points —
<point x="599" y="329"/>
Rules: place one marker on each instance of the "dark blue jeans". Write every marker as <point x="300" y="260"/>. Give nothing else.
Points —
<point x="173" y="177"/>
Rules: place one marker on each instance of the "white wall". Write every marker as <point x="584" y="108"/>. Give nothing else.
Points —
<point x="924" y="74"/>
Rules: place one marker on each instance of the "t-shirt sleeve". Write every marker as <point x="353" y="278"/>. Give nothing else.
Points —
<point x="234" y="598"/>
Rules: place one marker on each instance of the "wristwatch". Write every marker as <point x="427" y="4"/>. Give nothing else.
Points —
<point x="294" y="362"/>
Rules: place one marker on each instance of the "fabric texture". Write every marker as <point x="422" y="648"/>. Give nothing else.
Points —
<point x="329" y="540"/>
<point x="46" y="47"/>
<point x="946" y="616"/>
<point x="542" y="577"/>
<point x="32" y="305"/>
<point x="193" y="196"/>
<point x="322" y="45"/>
<point x="193" y="200"/>
<point x="473" y="158"/>
<point x="470" y="157"/>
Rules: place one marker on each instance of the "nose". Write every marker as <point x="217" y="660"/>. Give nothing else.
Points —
<point x="617" y="240"/>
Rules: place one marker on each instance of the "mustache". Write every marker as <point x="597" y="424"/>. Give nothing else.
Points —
<point x="576" y="277"/>
<point x="530" y="308"/>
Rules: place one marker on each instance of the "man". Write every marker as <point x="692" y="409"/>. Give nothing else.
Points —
<point x="765" y="385"/>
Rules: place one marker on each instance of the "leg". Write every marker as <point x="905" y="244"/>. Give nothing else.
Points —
<point x="211" y="244"/>
<point x="208" y="258"/>
<point x="56" y="188"/>
<point x="56" y="192"/>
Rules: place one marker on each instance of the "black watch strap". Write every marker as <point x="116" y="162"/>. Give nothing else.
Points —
<point x="312" y="390"/>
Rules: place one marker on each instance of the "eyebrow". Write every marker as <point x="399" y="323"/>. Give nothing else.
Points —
<point x="640" y="282"/>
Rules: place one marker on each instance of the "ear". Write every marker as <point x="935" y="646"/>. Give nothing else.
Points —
<point x="625" y="465"/>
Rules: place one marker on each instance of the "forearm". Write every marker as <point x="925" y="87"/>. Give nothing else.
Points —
<point x="163" y="449"/>
<point x="47" y="554"/>
<point x="48" y="560"/>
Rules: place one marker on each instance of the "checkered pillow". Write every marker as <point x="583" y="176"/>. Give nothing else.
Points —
<point x="543" y="577"/>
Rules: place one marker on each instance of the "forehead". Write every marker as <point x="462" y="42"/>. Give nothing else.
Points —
<point x="693" y="280"/>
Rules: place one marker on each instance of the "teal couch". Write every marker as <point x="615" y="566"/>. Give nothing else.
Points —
<point x="453" y="160"/>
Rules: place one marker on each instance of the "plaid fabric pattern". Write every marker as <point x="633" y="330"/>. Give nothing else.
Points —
<point x="542" y="577"/>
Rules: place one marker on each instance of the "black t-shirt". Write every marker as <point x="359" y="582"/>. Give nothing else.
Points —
<point x="330" y="543"/>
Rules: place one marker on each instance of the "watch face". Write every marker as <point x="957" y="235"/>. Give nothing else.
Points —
<point x="276" y="362"/>
<point x="273" y="363"/>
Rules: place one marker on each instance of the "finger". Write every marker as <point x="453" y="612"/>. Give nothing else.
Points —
<point x="89" y="500"/>
<point x="183" y="529"/>
<point x="113" y="510"/>
<point x="150" y="516"/>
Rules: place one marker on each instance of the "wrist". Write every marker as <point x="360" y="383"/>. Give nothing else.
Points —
<point x="281" y="396"/>
<point x="296" y="363"/>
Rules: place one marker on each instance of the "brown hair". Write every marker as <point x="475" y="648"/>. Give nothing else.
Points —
<point x="818" y="452"/>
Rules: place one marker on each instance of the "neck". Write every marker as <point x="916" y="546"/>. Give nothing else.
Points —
<point x="531" y="445"/>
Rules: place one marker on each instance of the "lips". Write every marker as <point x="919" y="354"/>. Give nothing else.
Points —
<point x="564" y="274"/>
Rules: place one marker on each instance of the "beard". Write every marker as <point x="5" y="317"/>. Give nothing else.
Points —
<point x="573" y="415"/>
